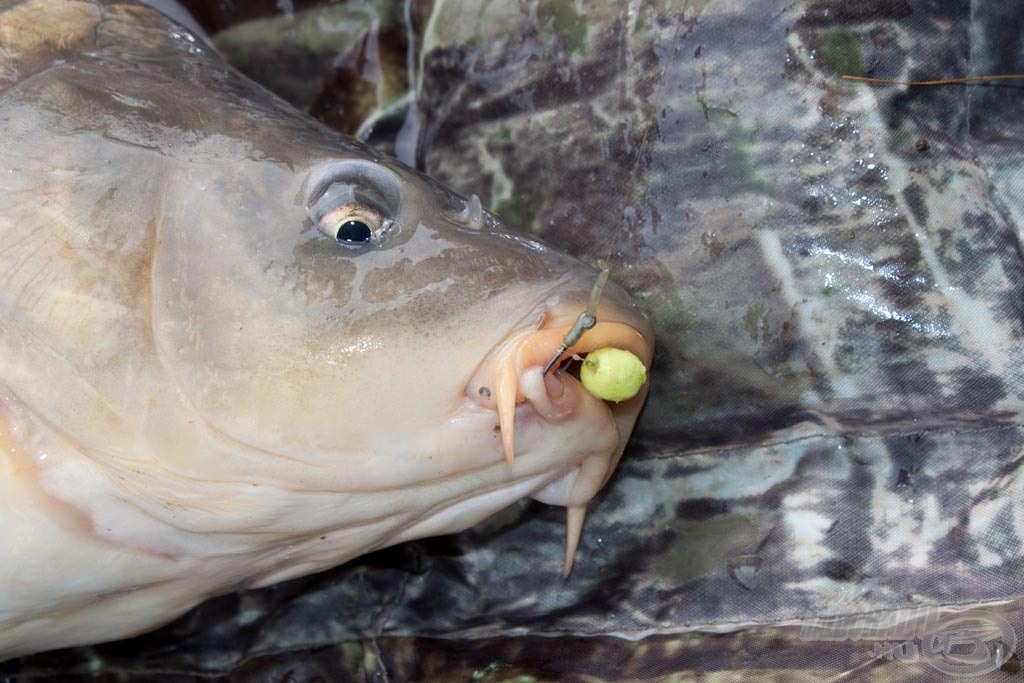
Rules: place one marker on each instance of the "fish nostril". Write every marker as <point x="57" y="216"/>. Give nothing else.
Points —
<point x="472" y="214"/>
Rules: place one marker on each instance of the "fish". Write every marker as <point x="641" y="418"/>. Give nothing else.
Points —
<point x="237" y="347"/>
<point x="834" y="274"/>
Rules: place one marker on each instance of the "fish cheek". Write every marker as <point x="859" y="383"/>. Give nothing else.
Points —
<point x="313" y="275"/>
<point x="250" y="341"/>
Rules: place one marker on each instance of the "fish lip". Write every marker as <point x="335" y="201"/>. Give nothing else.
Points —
<point x="552" y="313"/>
<point x="497" y="383"/>
<point x="600" y="429"/>
<point x="555" y="318"/>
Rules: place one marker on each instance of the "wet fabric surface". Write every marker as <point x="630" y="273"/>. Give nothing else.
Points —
<point x="834" y="272"/>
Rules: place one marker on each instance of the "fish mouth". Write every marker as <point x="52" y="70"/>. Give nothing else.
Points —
<point x="526" y="401"/>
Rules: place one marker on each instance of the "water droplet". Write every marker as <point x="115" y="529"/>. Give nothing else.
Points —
<point x="187" y="38"/>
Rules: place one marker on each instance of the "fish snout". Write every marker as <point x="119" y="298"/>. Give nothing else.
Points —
<point x="513" y="378"/>
<point x="551" y="414"/>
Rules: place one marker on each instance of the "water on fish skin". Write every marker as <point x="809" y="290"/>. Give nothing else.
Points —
<point x="757" y="138"/>
<point x="201" y="389"/>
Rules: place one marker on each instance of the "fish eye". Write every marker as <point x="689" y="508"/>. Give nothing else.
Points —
<point x="355" y="224"/>
<point x="352" y="215"/>
<point x="356" y="203"/>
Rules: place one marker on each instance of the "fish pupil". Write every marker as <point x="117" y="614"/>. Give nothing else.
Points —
<point x="354" y="231"/>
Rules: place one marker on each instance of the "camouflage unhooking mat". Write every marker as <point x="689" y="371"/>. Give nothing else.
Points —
<point x="826" y="483"/>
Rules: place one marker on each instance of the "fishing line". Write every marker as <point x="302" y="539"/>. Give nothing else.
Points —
<point x="962" y="80"/>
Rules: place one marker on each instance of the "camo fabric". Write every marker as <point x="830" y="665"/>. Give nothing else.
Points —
<point x="827" y="472"/>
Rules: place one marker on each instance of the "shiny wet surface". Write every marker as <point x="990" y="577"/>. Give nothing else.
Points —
<point x="834" y="275"/>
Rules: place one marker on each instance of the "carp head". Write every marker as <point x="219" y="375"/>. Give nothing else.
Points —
<point x="237" y="347"/>
<point x="356" y="330"/>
